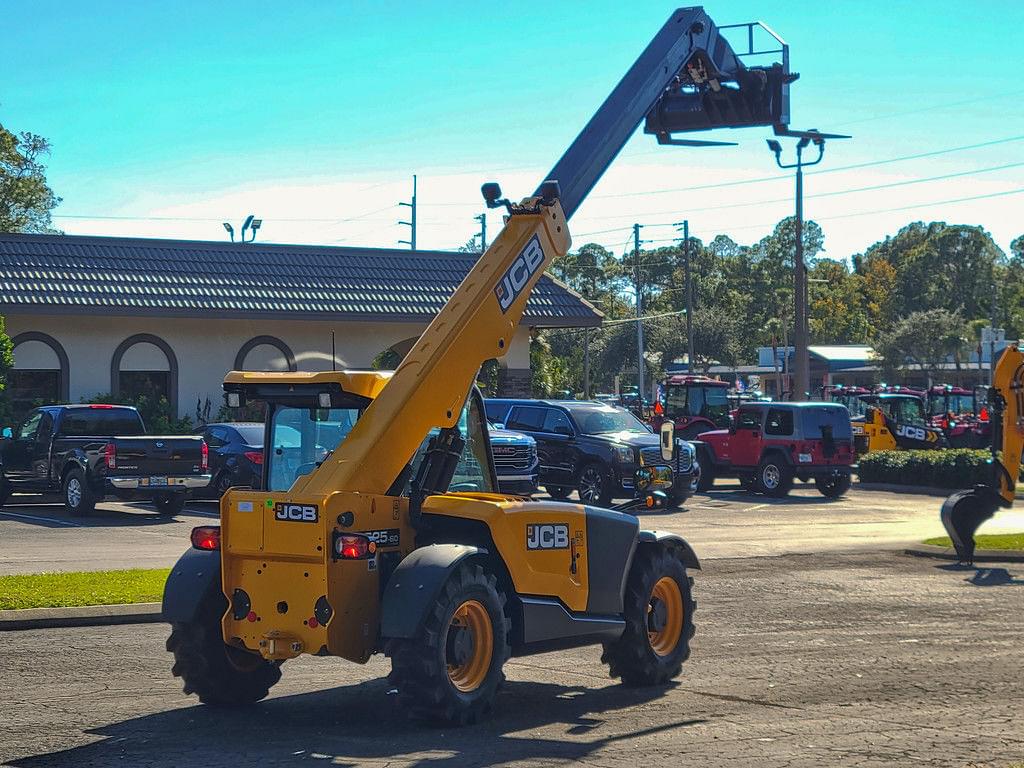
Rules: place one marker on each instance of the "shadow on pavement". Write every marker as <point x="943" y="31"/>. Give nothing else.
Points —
<point x="983" y="576"/>
<point x="361" y="725"/>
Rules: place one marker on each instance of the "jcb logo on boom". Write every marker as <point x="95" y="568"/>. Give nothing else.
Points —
<point x="299" y="513"/>
<point x="547" y="536"/>
<point x="518" y="275"/>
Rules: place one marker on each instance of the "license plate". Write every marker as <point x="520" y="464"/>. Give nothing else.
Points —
<point x="806" y="458"/>
<point x="157" y="481"/>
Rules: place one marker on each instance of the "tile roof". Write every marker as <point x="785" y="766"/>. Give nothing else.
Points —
<point x="115" y="275"/>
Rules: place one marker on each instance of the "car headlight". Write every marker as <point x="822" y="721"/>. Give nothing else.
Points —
<point x="624" y="454"/>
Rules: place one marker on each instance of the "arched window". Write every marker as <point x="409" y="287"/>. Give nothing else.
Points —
<point x="40" y="375"/>
<point x="265" y="353"/>
<point x="145" y="364"/>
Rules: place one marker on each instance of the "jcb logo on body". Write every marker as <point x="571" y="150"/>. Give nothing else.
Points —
<point x="299" y="513"/>
<point x="518" y="275"/>
<point x="916" y="433"/>
<point x="554" y="536"/>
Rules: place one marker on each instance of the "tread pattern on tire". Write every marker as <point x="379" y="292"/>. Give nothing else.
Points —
<point x="418" y="668"/>
<point x="630" y="657"/>
<point x="88" y="503"/>
<point x="201" y="661"/>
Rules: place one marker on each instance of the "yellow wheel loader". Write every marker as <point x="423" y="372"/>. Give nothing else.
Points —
<point x="378" y="528"/>
<point x="964" y="511"/>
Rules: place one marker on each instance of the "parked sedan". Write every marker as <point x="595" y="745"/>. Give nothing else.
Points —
<point x="236" y="456"/>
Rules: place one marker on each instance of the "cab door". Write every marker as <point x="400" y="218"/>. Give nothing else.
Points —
<point x="19" y="451"/>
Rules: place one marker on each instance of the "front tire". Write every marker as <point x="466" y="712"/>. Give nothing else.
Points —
<point x="594" y="485"/>
<point x="833" y="487"/>
<point x="450" y="672"/>
<point x="774" y="477"/>
<point x="219" y="674"/>
<point x="79" y="498"/>
<point x="169" y="504"/>
<point x="659" y="610"/>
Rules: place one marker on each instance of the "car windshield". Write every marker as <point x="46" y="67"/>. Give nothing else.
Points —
<point x="955" y="404"/>
<point x="606" y="420"/>
<point x="251" y="434"/>
<point x="814" y="422"/>
<point x="301" y="438"/>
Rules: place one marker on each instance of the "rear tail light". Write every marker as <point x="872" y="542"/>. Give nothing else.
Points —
<point x="256" y="457"/>
<point x="352" y="546"/>
<point x="206" y="537"/>
<point x="101" y="406"/>
<point x="110" y="455"/>
<point x="204" y="451"/>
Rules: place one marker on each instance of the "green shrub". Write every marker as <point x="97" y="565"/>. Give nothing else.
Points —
<point x="949" y="468"/>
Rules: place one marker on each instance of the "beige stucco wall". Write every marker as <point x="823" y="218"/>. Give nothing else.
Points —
<point x="206" y="348"/>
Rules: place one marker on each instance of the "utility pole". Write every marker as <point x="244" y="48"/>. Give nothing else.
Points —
<point x="639" y="312"/>
<point x="411" y="242"/>
<point x="689" y="294"/>
<point x="482" y="218"/>
<point x="992" y="339"/>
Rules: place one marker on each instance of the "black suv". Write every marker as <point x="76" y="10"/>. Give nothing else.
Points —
<point x="592" y="447"/>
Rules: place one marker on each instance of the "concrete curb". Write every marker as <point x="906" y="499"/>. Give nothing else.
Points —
<point x="980" y="555"/>
<point x="918" y="490"/>
<point x="80" y="616"/>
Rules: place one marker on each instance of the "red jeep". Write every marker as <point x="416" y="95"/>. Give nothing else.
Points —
<point x="771" y="444"/>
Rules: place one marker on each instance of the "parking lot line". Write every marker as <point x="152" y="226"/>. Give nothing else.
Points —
<point x="67" y="523"/>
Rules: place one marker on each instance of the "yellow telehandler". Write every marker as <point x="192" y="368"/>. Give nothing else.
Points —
<point x="378" y="527"/>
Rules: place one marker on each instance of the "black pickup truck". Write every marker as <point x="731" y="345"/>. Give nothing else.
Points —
<point x="86" y="452"/>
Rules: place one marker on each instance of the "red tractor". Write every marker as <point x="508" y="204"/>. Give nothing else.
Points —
<point x="956" y="411"/>
<point x="846" y="396"/>
<point x="695" y="404"/>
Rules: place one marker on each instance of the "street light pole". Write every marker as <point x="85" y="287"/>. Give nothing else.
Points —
<point x="639" y="314"/>
<point x="802" y="383"/>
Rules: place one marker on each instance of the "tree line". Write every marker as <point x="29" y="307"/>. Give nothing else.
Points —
<point x="917" y="297"/>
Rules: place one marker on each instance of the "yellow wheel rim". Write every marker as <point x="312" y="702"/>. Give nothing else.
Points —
<point x="665" y="616"/>
<point x="469" y="647"/>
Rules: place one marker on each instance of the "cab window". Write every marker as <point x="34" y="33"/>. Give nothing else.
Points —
<point x="527" y="418"/>
<point x="473" y="471"/>
<point x="31" y="425"/>
<point x="779" y="422"/>
<point x="301" y="438"/>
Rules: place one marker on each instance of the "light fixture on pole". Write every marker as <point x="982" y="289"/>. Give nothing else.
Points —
<point x="231" y="231"/>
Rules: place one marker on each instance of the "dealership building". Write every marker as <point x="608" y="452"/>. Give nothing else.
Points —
<point x="91" y="315"/>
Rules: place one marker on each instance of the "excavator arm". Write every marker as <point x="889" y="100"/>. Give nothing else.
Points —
<point x="964" y="511"/>
<point x="688" y="78"/>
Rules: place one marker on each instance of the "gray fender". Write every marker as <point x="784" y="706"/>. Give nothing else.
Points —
<point x="416" y="583"/>
<point x="686" y="553"/>
<point x="193" y="580"/>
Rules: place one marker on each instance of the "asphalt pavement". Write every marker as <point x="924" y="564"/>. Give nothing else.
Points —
<point x="728" y="522"/>
<point x="860" y="659"/>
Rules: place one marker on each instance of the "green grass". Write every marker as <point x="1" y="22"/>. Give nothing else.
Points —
<point x="54" y="590"/>
<point x="985" y="541"/>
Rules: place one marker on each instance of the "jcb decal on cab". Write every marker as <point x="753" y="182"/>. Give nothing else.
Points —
<point x="518" y="275"/>
<point x="298" y="513"/>
<point x="547" y="536"/>
<point x="916" y="433"/>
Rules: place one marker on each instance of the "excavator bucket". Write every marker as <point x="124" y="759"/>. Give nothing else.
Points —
<point x="963" y="513"/>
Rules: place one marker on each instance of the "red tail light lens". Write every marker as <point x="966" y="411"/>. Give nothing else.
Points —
<point x="110" y="456"/>
<point x="205" y="452"/>
<point x="101" y="406"/>
<point x="352" y="546"/>
<point x="256" y="457"/>
<point x="206" y="537"/>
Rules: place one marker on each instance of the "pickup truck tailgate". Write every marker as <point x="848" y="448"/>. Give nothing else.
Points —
<point x="158" y="456"/>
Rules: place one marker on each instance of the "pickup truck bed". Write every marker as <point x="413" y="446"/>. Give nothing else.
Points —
<point x="86" y="452"/>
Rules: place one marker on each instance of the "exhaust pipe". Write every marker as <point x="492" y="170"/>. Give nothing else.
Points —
<point x="962" y="514"/>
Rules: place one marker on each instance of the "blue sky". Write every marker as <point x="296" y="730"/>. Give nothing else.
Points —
<point x="167" y="119"/>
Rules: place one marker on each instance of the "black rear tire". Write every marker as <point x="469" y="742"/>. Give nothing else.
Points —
<point x="5" y="491"/>
<point x="79" y="498"/>
<point x="560" y="492"/>
<point x="833" y="487"/>
<point x="594" y="485"/>
<point x="774" y="477"/>
<point x="643" y="655"/>
<point x="707" y="473"/>
<point x="222" y="484"/>
<point x="169" y="504"/>
<point x="219" y="674"/>
<point x="438" y="673"/>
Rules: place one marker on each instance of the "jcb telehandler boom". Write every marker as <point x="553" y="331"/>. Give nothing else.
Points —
<point x="365" y="538"/>
<point x="964" y="511"/>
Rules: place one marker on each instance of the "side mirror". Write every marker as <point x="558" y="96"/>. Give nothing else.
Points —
<point x="8" y="433"/>
<point x="668" y="440"/>
<point x="498" y="425"/>
<point x="653" y="478"/>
